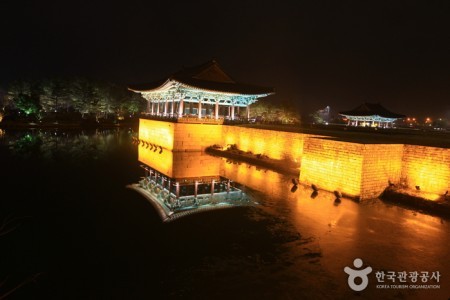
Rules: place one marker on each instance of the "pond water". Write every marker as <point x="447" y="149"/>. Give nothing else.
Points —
<point x="79" y="233"/>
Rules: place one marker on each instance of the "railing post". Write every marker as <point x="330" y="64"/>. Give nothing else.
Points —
<point x="195" y="188"/>
<point x="177" y="190"/>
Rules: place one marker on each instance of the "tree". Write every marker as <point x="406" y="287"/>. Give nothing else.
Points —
<point x="27" y="104"/>
<point x="19" y="87"/>
<point x="54" y="94"/>
<point x="135" y="104"/>
<point x="281" y="112"/>
<point x="321" y="116"/>
<point x="82" y="95"/>
<point x="3" y="103"/>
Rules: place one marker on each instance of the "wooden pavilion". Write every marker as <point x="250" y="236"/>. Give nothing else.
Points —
<point x="371" y="115"/>
<point x="198" y="93"/>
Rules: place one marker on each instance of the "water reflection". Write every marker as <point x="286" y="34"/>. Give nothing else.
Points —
<point x="386" y="237"/>
<point x="91" y="211"/>
<point x="56" y="145"/>
<point x="181" y="183"/>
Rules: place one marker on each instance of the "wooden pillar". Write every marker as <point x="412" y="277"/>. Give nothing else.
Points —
<point x="199" y="108"/>
<point x="216" y="115"/>
<point x="171" y="107"/>
<point x="248" y="111"/>
<point x="153" y="108"/>
<point x="157" y="108"/>
<point x="212" y="188"/>
<point x="180" y="108"/>
<point x="232" y="111"/>
<point x="195" y="188"/>
<point x="165" y="107"/>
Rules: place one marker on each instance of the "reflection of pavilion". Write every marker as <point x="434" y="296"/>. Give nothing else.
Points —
<point x="201" y="92"/>
<point x="180" y="183"/>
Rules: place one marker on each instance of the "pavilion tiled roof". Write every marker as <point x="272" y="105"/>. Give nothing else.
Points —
<point x="208" y="76"/>
<point x="372" y="109"/>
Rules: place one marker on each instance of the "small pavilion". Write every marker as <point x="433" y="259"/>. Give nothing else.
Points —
<point x="371" y="115"/>
<point x="198" y="93"/>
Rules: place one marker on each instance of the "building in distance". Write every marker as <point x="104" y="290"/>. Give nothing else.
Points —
<point x="371" y="115"/>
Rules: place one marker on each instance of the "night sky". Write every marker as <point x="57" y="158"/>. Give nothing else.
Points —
<point x="314" y="53"/>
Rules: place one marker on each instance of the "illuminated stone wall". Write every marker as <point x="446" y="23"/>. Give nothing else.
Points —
<point x="357" y="170"/>
<point x="365" y="170"/>
<point x="426" y="167"/>
<point x="333" y="165"/>
<point x="180" y="136"/>
<point x="157" y="132"/>
<point x="381" y="164"/>
<point x="275" y="144"/>
<point x="196" y="137"/>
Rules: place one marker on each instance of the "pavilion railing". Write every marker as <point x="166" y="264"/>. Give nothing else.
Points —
<point x="184" y="119"/>
<point x="170" y="200"/>
<point x="196" y="120"/>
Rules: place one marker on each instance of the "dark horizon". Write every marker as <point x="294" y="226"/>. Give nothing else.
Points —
<point x="314" y="54"/>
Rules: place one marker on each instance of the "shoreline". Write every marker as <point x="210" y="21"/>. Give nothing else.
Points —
<point x="403" y="198"/>
<point x="64" y="125"/>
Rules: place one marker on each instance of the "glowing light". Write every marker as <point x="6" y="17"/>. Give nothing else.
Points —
<point x="157" y="132"/>
<point x="275" y="144"/>
<point x="333" y="166"/>
<point x="269" y="183"/>
<point x="180" y="164"/>
<point x="430" y="176"/>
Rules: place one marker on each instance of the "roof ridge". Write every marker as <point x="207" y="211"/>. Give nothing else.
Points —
<point x="208" y="76"/>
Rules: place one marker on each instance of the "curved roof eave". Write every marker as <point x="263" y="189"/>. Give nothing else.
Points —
<point x="371" y="115"/>
<point x="166" y="85"/>
<point x="169" y="83"/>
<point x="225" y="92"/>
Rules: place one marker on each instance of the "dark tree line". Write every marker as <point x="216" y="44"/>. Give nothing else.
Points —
<point x="41" y="99"/>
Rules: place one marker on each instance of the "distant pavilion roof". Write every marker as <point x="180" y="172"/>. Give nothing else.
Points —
<point x="208" y="77"/>
<point x="372" y="109"/>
